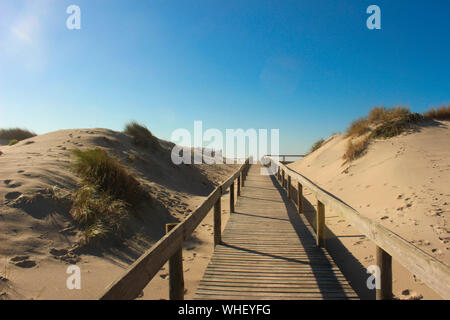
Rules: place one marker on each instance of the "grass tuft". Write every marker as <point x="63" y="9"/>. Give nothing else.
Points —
<point x="142" y="137"/>
<point x="107" y="196"/>
<point x="358" y="127"/>
<point x="397" y="126"/>
<point x="316" y="145"/>
<point x="381" y="114"/>
<point x="12" y="142"/>
<point x="16" y="134"/>
<point x="442" y="113"/>
<point x="356" y="150"/>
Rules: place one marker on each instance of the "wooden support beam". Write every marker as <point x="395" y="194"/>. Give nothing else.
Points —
<point x="239" y="186"/>
<point x="299" y="197"/>
<point x="242" y="178"/>
<point x="320" y="225"/>
<point x="176" y="278"/>
<point x="384" y="262"/>
<point x="217" y="222"/>
<point x="232" y="198"/>
<point x="289" y="187"/>
<point x="282" y="179"/>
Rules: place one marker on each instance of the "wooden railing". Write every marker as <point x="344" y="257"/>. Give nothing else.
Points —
<point x="284" y="156"/>
<point x="169" y="248"/>
<point x="431" y="271"/>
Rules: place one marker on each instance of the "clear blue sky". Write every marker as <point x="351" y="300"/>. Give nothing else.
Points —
<point x="305" y="67"/>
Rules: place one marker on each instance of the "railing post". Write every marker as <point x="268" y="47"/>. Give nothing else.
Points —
<point x="289" y="187"/>
<point x="217" y="222"/>
<point x="239" y="185"/>
<point x="299" y="197"/>
<point x="384" y="262"/>
<point x="282" y="178"/>
<point x="176" y="279"/>
<point x="232" y="197"/>
<point x="242" y="178"/>
<point x="320" y="225"/>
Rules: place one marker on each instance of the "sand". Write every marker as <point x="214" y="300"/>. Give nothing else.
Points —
<point x="402" y="183"/>
<point x="38" y="237"/>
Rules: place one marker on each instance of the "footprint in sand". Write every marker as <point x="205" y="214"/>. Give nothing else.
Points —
<point x="410" y="295"/>
<point x="23" y="261"/>
<point x="436" y="251"/>
<point x="58" y="252"/>
<point x="163" y="275"/>
<point x="12" y="195"/>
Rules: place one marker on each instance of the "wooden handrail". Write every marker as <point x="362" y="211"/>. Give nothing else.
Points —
<point x="284" y="156"/>
<point x="430" y="270"/>
<point x="131" y="283"/>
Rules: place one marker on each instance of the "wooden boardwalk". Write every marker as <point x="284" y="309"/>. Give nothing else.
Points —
<point x="268" y="251"/>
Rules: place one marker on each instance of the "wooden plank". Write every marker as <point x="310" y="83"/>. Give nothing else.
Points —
<point x="262" y="255"/>
<point x="427" y="268"/>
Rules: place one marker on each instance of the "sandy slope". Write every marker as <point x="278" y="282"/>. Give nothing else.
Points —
<point x="402" y="182"/>
<point x="37" y="233"/>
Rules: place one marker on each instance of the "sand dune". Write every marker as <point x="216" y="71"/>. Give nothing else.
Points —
<point x="38" y="237"/>
<point x="402" y="182"/>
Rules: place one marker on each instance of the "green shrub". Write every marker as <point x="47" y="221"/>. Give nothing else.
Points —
<point x="12" y="142"/>
<point x="107" y="196"/>
<point x="142" y="137"/>
<point x="16" y="134"/>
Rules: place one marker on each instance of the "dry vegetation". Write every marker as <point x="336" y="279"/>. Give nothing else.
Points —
<point x="442" y="113"/>
<point x="316" y="145"/>
<point x="142" y="137"/>
<point x="386" y="123"/>
<point x="107" y="196"/>
<point x="356" y="149"/>
<point x="14" y="135"/>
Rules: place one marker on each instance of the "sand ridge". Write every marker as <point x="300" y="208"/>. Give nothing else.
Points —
<point x="402" y="183"/>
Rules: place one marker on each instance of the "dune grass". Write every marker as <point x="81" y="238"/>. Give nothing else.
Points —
<point x="382" y="115"/>
<point x="442" y="113"/>
<point x="316" y="145"/>
<point x="381" y="122"/>
<point x="12" y="142"/>
<point x="107" y="196"/>
<point x="142" y="137"/>
<point x="16" y="134"/>
<point x="358" y="127"/>
<point x="357" y="149"/>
